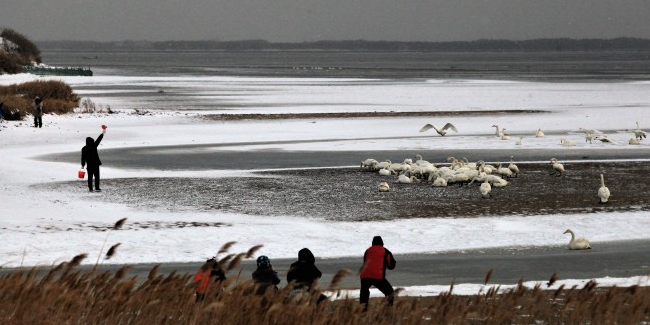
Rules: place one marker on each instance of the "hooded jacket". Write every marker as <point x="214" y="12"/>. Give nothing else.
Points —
<point x="376" y="260"/>
<point x="304" y="272"/>
<point x="89" y="152"/>
<point x="38" y="107"/>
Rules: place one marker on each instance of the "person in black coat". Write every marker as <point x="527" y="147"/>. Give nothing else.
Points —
<point x="38" y="112"/>
<point x="304" y="272"/>
<point x="264" y="276"/>
<point x="90" y="156"/>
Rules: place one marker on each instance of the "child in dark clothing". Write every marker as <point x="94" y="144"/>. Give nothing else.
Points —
<point x="303" y="273"/>
<point x="264" y="276"/>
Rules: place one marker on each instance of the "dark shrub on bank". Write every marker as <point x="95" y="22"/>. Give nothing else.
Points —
<point x="58" y="98"/>
<point x="9" y="63"/>
<point x="27" y="50"/>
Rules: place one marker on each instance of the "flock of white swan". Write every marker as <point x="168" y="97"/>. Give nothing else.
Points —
<point x="417" y="170"/>
<point x="589" y="134"/>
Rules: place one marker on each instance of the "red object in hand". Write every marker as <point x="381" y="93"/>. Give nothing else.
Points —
<point x="81" y="173"/>
<point x="104" y="127"/>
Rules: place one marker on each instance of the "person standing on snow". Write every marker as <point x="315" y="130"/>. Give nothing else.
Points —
<point x="303" y="273"/>
<point x="89" y="155"/>
<point x="264" y="276"/>
<point x="38" y="112"/>
<point x="376" y="260"/>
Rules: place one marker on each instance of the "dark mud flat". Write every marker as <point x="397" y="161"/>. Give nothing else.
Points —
<point x="351" y="194"/>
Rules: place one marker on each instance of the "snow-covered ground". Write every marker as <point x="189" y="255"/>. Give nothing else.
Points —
<point x="39" y="227"/>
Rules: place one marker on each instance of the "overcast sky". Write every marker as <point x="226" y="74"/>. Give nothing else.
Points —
<point x="309" y="20"/>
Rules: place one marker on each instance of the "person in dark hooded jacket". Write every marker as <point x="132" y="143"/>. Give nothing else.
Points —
<point x="90" y="156"/>
<point x="264" y="276"/>
<point x="376" y="260"/>
<point x="304" y="272"/>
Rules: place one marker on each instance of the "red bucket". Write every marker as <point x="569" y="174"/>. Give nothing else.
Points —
<point x="81" y="173"/>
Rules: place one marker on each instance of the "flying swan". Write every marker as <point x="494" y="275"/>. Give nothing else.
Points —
<point x="442" y="131"/>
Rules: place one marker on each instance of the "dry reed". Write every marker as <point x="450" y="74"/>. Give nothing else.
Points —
<point x="65" y="295"/>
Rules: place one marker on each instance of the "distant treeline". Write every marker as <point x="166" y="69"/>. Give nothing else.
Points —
<point x="551" y="44"/>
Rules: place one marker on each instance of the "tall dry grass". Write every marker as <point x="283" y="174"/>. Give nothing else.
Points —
<point x="58" y="97"/>
<point x="65" y="295"/>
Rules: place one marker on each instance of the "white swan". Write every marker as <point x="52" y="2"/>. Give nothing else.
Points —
<point x="369" y="163"/>
<point x="505" y="135"/>
<point x="402" y="178"/>
<point x="503" y="171"/>
<point x="539" y="133"/>
<point x="638" y="133"/>
<point x="442" y="131"/>
<point x="497" y="132"/>
<point x="634" y="142"/>
<point x="383" y="164"/>
<point x="439" y="182"/>
<point x="383" y="187"/>
<point x="513" y="167"/>
<point x="485" y="189"/>
<point x="386" y="171"/>
<point x="558" y="168"/>
<point x="567" y="143"/>
<point x="603" y="191"/>
<point x="520" y="141"/>
<point x="590" y="131"/>
<point x="497" y="181"/>
<point x="605" y="139"/>
<point x="420" y="161"/>
<point x="579" y="243"/>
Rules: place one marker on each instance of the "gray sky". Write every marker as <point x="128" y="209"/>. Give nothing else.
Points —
<point x="310" y="20"/>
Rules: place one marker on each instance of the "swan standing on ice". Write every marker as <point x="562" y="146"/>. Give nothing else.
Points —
<point x="497" y="132"/>
<point x="634" y="141"/>
<point x="558" y="168"/>
<point x="442" y="131"/>
<point x="603" y="191"/>
<point x="383" y="187"/>
<point x="485" y="189"/>
<point x="638" y="133"/>
<point x="579" y="243"/>
<point x="503" y="171"/>
<point x="513" y="167"/>
<point x="539" y="133"/>
<point x="520" y="141"/>
<point x="504" y="134"/>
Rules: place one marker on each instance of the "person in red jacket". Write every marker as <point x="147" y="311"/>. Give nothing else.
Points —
<point x="209" y="270"/>
<point x="373" y="272"/>
<point x="203" y="278"/>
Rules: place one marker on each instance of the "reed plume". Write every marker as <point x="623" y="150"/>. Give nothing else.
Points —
<point x="251" y="251"/>
<point x="153" y="272"/>
<point x="554" y="278"/>
<point x="112" y="251"/>
<point x="116" y="226"/>
<point x="75" y="261"/>
<point x="338" y="277"/>
<point x="488" y="276"/>
<point x="236" y="262"/>
<point x="226" y="247"/>
<point x="119" y="224"/>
